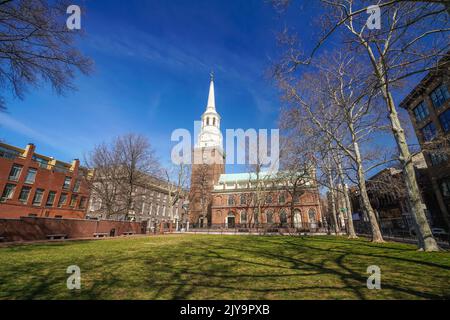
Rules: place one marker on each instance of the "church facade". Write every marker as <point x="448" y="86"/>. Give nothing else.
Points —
<point x="246" y="200"/>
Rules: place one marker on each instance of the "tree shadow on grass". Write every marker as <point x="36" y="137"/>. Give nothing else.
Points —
<point x="244" y="267"/>
<point x="373" y="255"/>
<point x="230" y="281"/>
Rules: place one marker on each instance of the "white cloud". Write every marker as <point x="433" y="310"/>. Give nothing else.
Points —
<point x="32" y="135"/>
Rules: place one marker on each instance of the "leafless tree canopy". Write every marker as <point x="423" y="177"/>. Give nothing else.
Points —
<point x="36" y="46"/>
<point x="121" y="172"/>
<point x="412" y="40"/>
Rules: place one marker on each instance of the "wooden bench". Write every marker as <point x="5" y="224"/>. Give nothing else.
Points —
<point x="56" y="236"/>
<point x="128" y="233"/>
<point x="101" y="235"/>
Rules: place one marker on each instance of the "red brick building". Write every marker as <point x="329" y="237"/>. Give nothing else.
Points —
<point x="238" y="198"/>
<point x="33" y="185"/>
<point x="428" y="106"/>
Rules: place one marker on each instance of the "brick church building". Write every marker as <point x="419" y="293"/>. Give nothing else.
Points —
<point x="246" y="200"/>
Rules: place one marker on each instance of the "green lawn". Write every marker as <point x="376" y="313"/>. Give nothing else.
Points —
<point x="223" y="267"/>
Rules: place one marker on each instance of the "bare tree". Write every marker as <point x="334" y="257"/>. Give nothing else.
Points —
<point x="412" y="40"/>
<point x="121" y="172"/>
<point x="177" y="178"/>
<point x="338" y="104"/>
<point x="298" y="167"/>
<point x="37" y="46"/>
<point x="200" y="193"/>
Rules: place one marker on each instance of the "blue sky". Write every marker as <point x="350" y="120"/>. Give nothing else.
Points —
<point x="152" y="65"/>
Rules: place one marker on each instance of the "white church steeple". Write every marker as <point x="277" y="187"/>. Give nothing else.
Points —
<point x="211" y="97"/>
<point x="210" y="135"/>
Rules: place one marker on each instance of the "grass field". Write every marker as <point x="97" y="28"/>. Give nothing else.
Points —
<point x="223" y="267"/>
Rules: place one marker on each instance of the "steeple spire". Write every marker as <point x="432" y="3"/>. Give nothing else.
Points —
<point x="211" y="98"/>
<point x="210" y="135"/>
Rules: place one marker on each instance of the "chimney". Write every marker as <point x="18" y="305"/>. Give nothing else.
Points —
<point x="75" y="165"/>
<point x="29" y="151"/>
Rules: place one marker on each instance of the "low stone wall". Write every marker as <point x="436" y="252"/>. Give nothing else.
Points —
<point x="33" y="229"/>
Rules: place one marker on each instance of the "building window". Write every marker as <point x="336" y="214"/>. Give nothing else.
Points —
<point x="421" y="112"/>
<point x="438" y="158"/>
<point x="312" y="216"/>
<point x="269" y="217"/>
<point x="282" y="198"/>
<point x="214" y="121"/>
<point x="37" y="200"/>
<point x="31" y="176"/>
<point x="296" y="198"/>
<point x="42" y="163"/>
<point x="243" y="199"/>
<point x="73" y="201"/>
<point x="446" y="188"/>
<point x="8" y="192"/>
<point x="32" y="215"/>
<point x="283" y="217"/>
<point x="50" y="199"/>
<point x="76" y="188"/>
<point x="243" y="217"/>
<point x="8" y="153"/>
<point x="439" y="96"/>
<point x="444" y="118"/>
<point x="15" y="172"/>
<point x="62" y="200"/>
<point x="269" y="199"/>
<point x="24" y="194"/>
<point x="230" y="200"/>
<point x="429" y="132"/>
<point x="66" y="184"/>
<point x="58" y="217"/>
<point x="256" y="216"/>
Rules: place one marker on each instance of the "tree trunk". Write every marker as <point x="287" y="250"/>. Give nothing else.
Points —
<point x="333" y="205"/>
<point x="376" y="233"/>
<point x="425" y="235"/>
<point x="351" y="228"/>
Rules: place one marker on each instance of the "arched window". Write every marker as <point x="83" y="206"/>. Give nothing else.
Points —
<point x="312" y="216"/>
<point x="214" y="121"/>
<point x="282" y="199"/>
<point x="243" y="199"/>
<point x="283" y="217"/>
<point x="269" y="217"/>
<point x="207" y="121"/>
<point x="297" y="218"/>
<point x="243" y="217"/>
<point x="256" y="216"/>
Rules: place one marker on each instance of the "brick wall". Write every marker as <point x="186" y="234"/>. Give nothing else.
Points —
<point x="31" y="229"/>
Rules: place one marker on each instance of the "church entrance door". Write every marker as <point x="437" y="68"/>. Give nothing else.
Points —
<point x="231" y="222"/>
<point x="297" y="219"/>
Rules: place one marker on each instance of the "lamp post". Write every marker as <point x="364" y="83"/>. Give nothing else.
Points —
<point x="185" y="207"/>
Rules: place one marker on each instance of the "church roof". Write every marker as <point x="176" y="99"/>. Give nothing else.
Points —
<point x="226" y="178"/>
